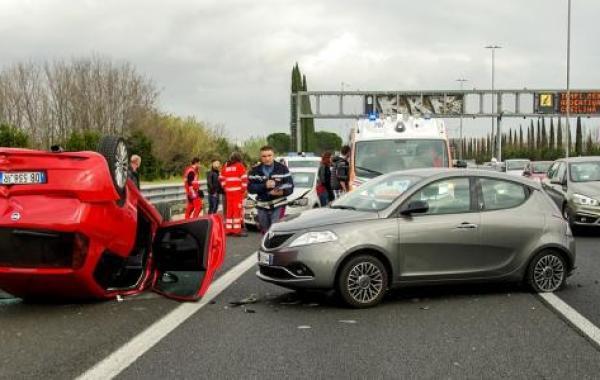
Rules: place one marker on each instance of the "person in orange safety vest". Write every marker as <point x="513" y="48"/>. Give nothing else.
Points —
<point x="234" y="181"/>
<point x="194" y="194"/>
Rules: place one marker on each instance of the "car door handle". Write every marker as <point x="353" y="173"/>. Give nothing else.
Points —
<point x="466" y="225"/>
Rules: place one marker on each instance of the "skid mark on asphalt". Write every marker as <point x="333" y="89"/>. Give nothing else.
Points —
<point x="120" y="359"/>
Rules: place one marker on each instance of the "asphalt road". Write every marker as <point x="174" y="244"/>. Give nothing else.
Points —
<point x="443" y="332"/>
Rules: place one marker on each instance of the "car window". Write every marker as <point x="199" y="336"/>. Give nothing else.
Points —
<point x="450" y="196"/>
<point x="552" y="170"/>
<point x="561" y="172"/>
<point x="585" y="171"/>
<point x="303" y="179"/>
<point x="377" y="193"/>
<point x="500" y="194"/>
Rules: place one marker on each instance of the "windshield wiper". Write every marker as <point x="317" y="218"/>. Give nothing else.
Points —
<point x="343" y="207"/>
<point x="368" y="170"/>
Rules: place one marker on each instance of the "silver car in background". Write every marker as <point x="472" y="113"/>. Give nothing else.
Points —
<point x="424" y="226"/>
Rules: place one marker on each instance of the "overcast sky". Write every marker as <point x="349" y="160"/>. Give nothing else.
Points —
<point x="229" y="61"/>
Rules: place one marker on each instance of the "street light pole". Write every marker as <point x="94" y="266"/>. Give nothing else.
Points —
<point x="462" y="82"/>
<point x="568" y="79"/>
<point x="493" y="48"/>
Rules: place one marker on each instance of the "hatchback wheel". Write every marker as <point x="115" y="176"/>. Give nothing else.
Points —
<point x="362" y="281"/>
<point x="114" y="150"/>
<point x="547" y="272"/>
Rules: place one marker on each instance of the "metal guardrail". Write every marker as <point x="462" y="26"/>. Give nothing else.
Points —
<point x="168" y="199"/>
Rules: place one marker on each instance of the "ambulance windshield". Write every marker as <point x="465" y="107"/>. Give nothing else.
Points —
<point x="376" y="157"/>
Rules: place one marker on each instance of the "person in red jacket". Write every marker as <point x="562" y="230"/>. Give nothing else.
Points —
<point x="234" y="181"/>
<point x="191" y="183"/>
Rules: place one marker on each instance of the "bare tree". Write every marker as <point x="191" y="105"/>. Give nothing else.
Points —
<point x="50" y="100"/>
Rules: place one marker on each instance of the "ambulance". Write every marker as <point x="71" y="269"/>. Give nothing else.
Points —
<point x="399" y="142"/>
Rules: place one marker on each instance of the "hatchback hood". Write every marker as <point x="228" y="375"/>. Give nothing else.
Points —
<point x="589" y="189"/>
<point x="321" y="217"/>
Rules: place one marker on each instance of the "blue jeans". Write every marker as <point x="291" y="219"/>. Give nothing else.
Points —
<point x="266" y="217"/>
<point x="213" y="203"/>
<point x="324" y="199"/>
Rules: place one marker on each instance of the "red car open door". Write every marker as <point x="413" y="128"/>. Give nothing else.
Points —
<point x="186" y="255"/>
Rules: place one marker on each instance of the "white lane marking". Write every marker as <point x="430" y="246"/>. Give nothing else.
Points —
<point x="580" y="322"/>
<point x="123" y="357"/>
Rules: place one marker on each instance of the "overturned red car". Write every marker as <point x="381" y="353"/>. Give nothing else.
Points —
<point x="73" y="226"/>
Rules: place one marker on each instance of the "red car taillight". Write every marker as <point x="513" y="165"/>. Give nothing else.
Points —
<point x="80" y="250"/>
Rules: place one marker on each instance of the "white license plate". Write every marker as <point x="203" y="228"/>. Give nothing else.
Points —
<point x="265" y="258"/>
<point x="22" y="178"/>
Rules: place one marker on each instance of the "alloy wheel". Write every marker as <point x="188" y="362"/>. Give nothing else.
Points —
<point x="365" y="282"/>
<point x="121" y="165"/>
<point x="549" y="273"/>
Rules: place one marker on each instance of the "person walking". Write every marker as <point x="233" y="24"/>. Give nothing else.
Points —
<point x="234" y="182"/>
<point x="324" y="190"/>
<point x="214" y="186"/>
<point x="134" y="165"/>
<point x="340" y="173"/>
<point x="272" y="183"/>
<point x="193" y="192"/>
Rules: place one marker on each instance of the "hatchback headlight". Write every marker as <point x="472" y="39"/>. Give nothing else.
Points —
<point x="300" y="202"/>
<point x="314" y="237"/>
<point x="585" y="201"/>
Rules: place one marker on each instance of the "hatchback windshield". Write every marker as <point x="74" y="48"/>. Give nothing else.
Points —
<point x="303" y="179"/>
<point x="516" y="165"/>
<point x="541" y="167"/>
<point x="377" y="194"/>
<point x="585" y="171"/>
<point x="303" y="163"/>
<point x="373" y="158"/>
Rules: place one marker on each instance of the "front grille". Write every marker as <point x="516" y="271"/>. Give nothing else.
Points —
<point x="275" y="272"/>
<point x="276" y="240"/>
<point x="35" y="248"/>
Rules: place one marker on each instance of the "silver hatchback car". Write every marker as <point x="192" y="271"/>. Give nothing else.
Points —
<point x="423" y="227"/>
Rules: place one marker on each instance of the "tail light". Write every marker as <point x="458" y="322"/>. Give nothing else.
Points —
<point x="80" y="250"/>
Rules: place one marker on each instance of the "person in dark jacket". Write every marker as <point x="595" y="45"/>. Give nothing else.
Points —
<point x="324" y="189"/>
<point x="214" y="186"/>
<point x="134" y="165"/>
<point x="340" y="172"/>
<point x="272" y="183"/>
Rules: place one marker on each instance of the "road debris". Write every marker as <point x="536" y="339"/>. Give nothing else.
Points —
<point x="348" y="321"/>
<point x="304" y="327"/>
<point x="246" y="301"/>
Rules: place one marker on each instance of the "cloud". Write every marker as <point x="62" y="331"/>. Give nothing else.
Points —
<point x="230" y="61"/>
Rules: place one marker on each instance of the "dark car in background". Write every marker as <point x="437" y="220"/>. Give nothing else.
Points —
<point x="574" y="184"/>
<point x="424" y="226"/>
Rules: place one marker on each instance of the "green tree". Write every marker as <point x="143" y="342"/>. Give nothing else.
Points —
<point x="13" y="137"/>
<point x="327" y="141"/>
<point x="138" y="143"/>
<point x="578" y="138"/>
<point x="281" y="142"/>
<point x="84" y="140"/>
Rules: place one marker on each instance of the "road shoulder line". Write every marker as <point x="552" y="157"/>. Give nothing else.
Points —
<point x="127" y="354"/>
<point x="581" y="323"/>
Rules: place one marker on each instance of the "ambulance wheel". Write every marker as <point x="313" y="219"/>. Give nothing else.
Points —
<point x="114" y="150"/>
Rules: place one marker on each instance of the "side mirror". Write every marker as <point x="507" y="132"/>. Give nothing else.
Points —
<point x="461" y="164"/>
<point x="414" y="207"/>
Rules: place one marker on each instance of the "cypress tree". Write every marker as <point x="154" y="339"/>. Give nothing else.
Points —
<point x="538" y="138"/>
<point x="559" y="135"/>
<point x="578" y="138"/>
<point x="544" y="134"/>
<point x="552" y="140"/>
<point x="589" y="145"/>
<point x="520" y="136"/>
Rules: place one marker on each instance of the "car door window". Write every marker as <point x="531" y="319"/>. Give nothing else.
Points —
<point x="553" y="169"/>
<point x="500" y="194"/>
<point x="561" y="173"/>
<point x="450" y="196"/>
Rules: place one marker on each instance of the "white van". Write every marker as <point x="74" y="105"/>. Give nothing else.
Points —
<point x="399" y="142"/>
